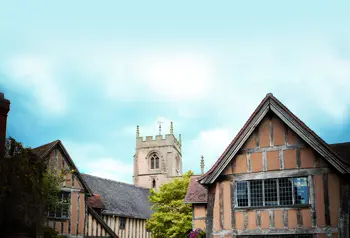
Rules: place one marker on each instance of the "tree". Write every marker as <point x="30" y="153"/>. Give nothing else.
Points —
<point x="172" y="218"/>
<point x="27" y="186"/>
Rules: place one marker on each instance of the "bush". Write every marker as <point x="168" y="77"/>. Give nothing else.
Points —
<point x="50" y="233"/>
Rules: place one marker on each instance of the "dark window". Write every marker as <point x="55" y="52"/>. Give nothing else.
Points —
<point x="242" y="194"/>
<point x="154" y="161"/>
<point x="272" y="192"/>
<point x="256" y="194"/>
<point x="286" y="191"/>
<point x="122" y="221"/>
<point x="153" y="183"/>
<point x="73" y="178"/>
<point x="61" y="210"/>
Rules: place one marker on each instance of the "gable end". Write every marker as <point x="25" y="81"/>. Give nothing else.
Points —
<point x="295" y="124"/>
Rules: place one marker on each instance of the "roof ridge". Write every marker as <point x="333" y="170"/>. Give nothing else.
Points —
<point x="52" y="142"/>
<point x="115" y="181"/>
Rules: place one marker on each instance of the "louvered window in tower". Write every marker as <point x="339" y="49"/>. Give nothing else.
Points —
<point x="154" y="161"/>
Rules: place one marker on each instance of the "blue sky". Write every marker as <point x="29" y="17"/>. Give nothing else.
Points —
<point x="87" y="73"/>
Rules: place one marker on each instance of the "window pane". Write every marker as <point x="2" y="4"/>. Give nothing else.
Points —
<point x="301" y="191"/>
<point x="270" y="192"/>
<point x="285" y="185"/>
<point x="122" y="222"/>
<point x="242" y="194"/>
<point x="256" y="193"/>
<point x="58" y="211"/>
<point x="152" y="163"/>
<point x="157" y="163"/>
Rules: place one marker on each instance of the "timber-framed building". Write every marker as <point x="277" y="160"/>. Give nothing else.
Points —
<point x="277" y="178"/>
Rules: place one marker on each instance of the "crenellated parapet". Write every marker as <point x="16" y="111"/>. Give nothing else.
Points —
<point x="158" y="140"/>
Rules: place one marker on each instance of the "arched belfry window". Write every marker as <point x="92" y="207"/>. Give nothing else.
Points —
<point x="154" y="159"/>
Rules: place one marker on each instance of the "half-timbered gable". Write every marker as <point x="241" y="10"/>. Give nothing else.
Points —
<point x="70" y="220"/>
<point x="277" y="177"/>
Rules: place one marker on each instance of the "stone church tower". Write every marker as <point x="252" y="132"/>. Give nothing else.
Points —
<point x="157" y="160"/>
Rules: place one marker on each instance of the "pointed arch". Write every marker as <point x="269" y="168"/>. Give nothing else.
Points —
<point x="154" y="160"/>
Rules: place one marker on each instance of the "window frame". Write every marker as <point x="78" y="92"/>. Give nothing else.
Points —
<point x="122" y="225"/>
<point x="64" y="210"/>
<point x="294" y="204"/>
<point x="154" y="161"/>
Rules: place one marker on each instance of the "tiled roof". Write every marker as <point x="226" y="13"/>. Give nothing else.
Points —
<point x="196" y="193"/>
<point x="95" y="201"/>
<point x="120" y="199"/>
<point x="343" y="150"/>
<point x="43" y="150"/>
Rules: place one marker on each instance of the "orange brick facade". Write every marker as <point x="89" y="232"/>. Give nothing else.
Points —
<point x="274" y="151"/>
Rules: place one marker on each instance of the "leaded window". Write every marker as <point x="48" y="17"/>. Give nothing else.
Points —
<point x="62" y="208"/>
<point x="154" y="160"/>
<point x="272" y="192"/>
<point x="242" y="194"/>
<point x="256" y="193"/>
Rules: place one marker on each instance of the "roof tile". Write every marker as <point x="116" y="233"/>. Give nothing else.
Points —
<point x="196" y="193"/>
<point x="121" y="199"/>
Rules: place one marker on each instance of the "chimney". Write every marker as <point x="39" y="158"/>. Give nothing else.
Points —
<point x="4" y="109"/>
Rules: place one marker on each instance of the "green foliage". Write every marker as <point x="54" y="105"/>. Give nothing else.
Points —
<point x="172" y="218"/>
<point x="27" y="185"/>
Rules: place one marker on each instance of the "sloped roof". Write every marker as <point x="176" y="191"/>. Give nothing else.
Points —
<point x="119" y="198"/>
<point x="343" y="150"/>
<point x="95" y="201"/>
<point x="44" y="150"/>
<point x="196" y="193"/>
<point x="270" y="103"/>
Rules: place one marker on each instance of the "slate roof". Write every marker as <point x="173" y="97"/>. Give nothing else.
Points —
<point x="343" y="150"/>
<point x="196" y="193"/>
<point x="119" y="198"/>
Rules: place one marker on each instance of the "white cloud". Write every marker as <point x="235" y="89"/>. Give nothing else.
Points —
<point x="37" y="76"/>
<point x="93" y="159"/>
<point x="211" y="144"/>
<point x="177" y="76"/>
<point x="110" y="168"/>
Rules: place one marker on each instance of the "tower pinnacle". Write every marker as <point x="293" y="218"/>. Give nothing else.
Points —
<point x="171" y="128"/>
<point x="202" y="164"/>
<point x="137" y="132"/>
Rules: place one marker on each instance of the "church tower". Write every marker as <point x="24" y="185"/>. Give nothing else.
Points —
<point x="157" y="160"/>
